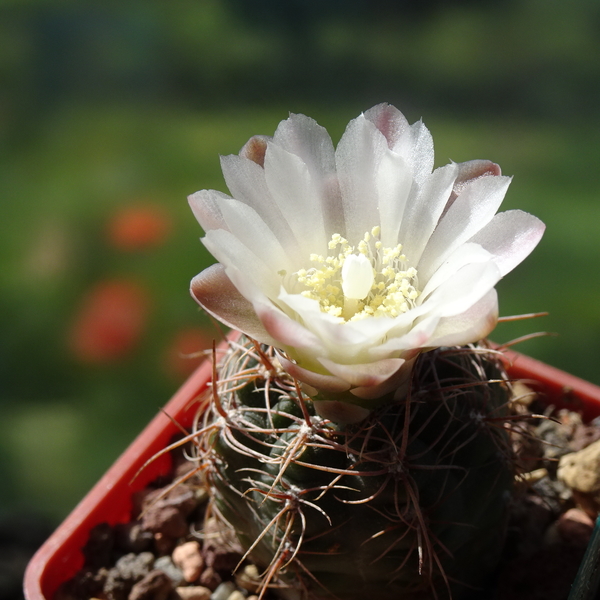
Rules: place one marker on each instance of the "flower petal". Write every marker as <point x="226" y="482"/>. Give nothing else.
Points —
<point x="468" y="285"/>
<point x="392" y="124"/>
<point x="366" y="374"/>
<point x="394" y="184"/>
<point x="298" y="198"/>
<point x="471" y="211"/>
<point x="423" y="211"/>
<point x="205" y="205"/>
<point x="462" y="256"/>
<point x="305" y="138"/>
<point x="510" y="236"/>
<point x="252" y="273"/>
<point x="320" y="381"/>
<point x="217" y="295"/>
<point x="247" y="183"/>
<point x="357" y="158"/>
<point x="474" y="324"/>
<point x="288" y="332"/>
<point x="247" y="226"/>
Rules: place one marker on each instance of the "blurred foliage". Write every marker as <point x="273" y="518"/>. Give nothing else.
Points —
<point x="110" y="106"/>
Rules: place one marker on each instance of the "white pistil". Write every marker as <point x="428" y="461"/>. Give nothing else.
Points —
<point x="357" y="280"/>
<point x="357" y="276"/>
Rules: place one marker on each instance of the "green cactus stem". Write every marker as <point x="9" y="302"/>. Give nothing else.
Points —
<point x="410" y="503"/>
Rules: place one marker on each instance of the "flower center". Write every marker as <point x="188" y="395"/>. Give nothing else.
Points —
<point x="355" y="282"/>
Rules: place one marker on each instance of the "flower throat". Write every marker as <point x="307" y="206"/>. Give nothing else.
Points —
<point x="356" y="282"/>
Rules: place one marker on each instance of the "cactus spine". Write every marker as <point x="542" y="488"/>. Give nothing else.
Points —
<point x="410" y="503"/>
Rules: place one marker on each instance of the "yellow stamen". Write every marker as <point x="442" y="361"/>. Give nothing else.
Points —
<point x="362" y="281"/>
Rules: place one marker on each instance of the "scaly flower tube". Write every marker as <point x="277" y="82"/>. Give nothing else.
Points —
<point x="352" y="261"/>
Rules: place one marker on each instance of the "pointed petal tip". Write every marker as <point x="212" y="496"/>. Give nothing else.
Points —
<point x="255" y="149"/>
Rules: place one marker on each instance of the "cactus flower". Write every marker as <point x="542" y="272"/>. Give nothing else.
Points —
<point x="352" y="261"/>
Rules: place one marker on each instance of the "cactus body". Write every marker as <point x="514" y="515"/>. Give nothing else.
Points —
<point x="411" y="503"/>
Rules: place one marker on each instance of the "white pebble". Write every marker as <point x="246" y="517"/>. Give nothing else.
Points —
<point x="194" y="592"/>
<point x="223" y="591"/>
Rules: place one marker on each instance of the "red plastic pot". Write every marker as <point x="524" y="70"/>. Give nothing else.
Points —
<point x="109" y="501"/>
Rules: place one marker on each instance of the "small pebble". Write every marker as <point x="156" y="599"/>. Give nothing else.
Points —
<point x="188" y="558"/>
<point x="154" y="586"/>
<point x="581" y="472"/>
<point x="576" y="527"/>
<point x="249" y="578"/>
<point x="132" y="566"/>
<point x="194" y="592"/>
<point x="210" y="578"/>
<point x="166" y="565"/>
<point x="223" y="591"/>
<point x="167" y="520"/>
<point x="236" y="595"/>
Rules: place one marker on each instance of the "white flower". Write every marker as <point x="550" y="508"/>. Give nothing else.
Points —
<point x="354" y="260"/>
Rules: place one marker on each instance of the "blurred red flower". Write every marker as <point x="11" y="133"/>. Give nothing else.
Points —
<point x="109" y="322"/>
<point x="138" y="228"/>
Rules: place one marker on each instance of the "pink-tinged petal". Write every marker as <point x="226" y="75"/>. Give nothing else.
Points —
<point x="510" y="236"/>
<point x="206" y="206"/>
<point x="390" y="121"/>
<point x="470" y="171"/>
<point x="305" y="138"/>
<point x="213" y="290"/>
<point x="286" y="331"/>
<point x="412" y="142"/>
<point x="254" y="149"/>
<point x="325" y="383"/>
<point x="471" y="326"/>
<point x="423" y="211"/>
<point x="366" y="374"/>
<point x="357" y="157"/>
<point x="470" y="212"/>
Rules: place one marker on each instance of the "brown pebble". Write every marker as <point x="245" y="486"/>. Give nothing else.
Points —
<point x="166" y="520"/>
<point x="194" y="592"/>
<point x="154" y="586"/>
<point x="210" y="578"/>
<point x="575" y="527"/>
<point x="163" y="544"/>
<point x="188" y="558"/>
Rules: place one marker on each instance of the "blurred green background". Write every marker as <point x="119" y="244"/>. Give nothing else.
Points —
<point x="111" y="112"/>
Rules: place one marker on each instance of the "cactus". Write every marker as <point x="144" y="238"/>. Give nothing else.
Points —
<point x="357" y="441"/>
<point x="408" y="503"/>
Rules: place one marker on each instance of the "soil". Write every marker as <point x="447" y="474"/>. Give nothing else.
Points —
<point x="172" y="549"/>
